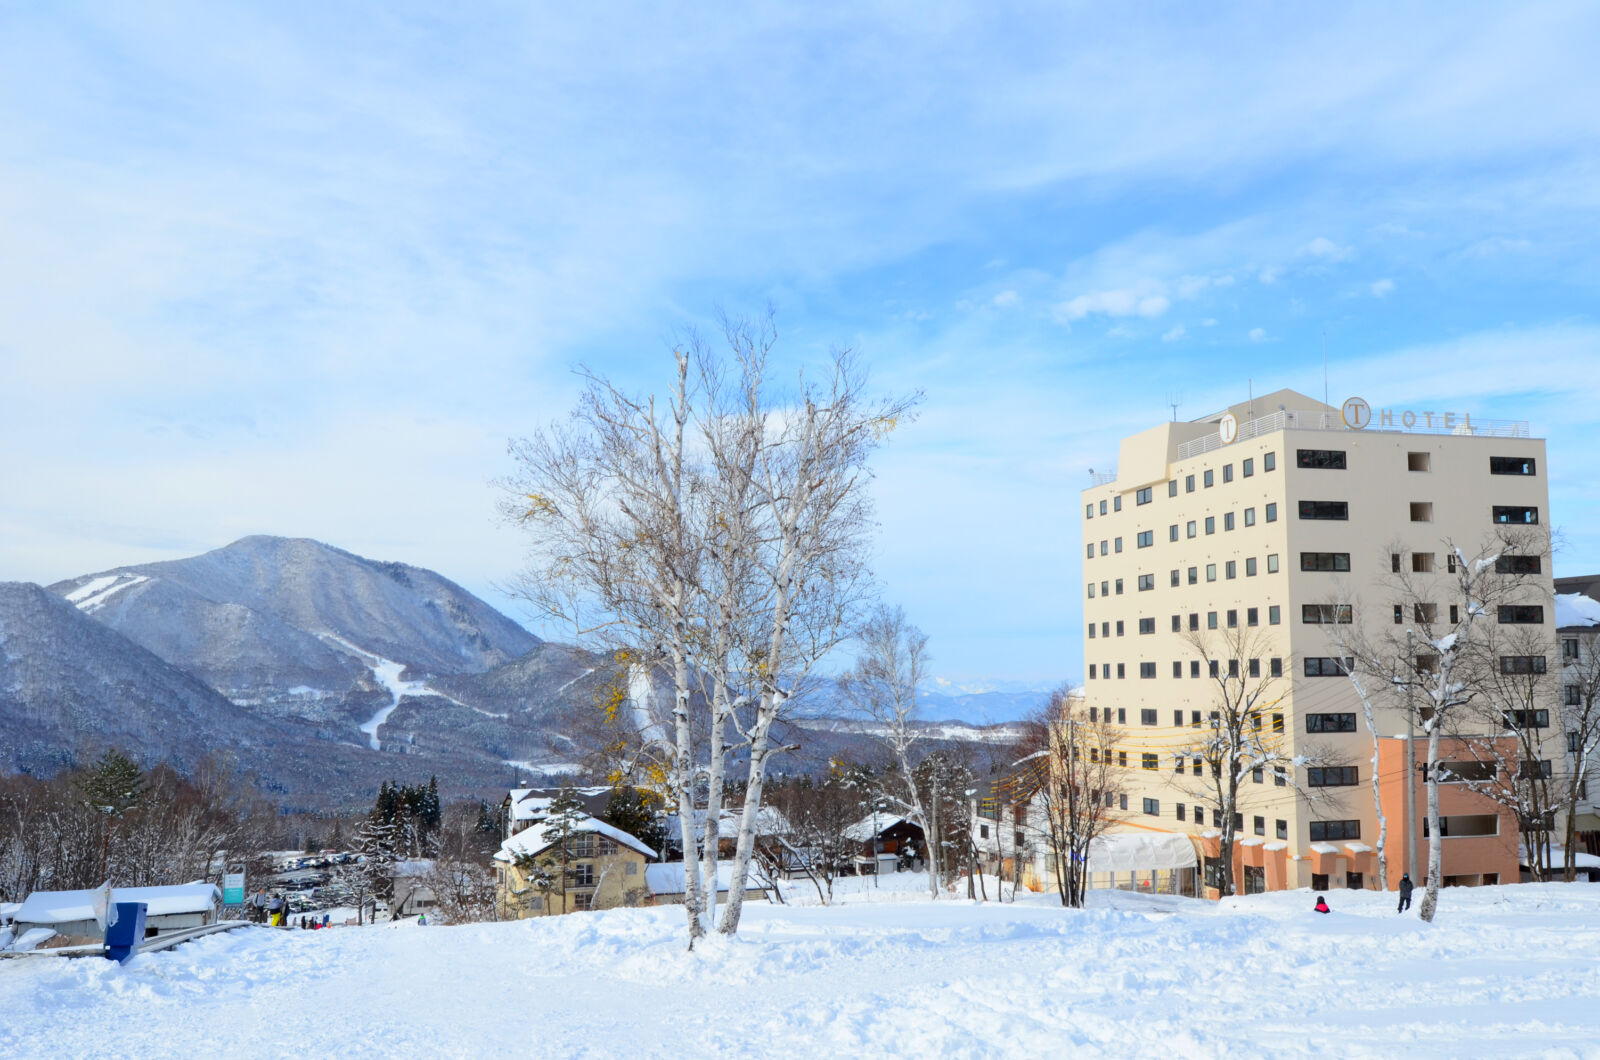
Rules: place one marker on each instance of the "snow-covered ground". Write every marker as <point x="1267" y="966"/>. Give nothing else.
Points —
<point x="1506" y="971"/>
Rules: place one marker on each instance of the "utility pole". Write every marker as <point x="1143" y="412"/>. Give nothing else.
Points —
<point x="1411" y="769"/>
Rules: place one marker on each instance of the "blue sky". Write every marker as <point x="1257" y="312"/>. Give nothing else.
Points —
<point x="304" y="269"/>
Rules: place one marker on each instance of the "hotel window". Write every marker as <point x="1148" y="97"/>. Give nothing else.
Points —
<point x="1527" y="719"/>
<point x="1194" y="620"/>
<point x="1105" y="629"/>
<point x="1172" y="488"/>
<point x="1147" y="670"/>
<point x="1272" y="563"/>
<point x="1177" y="723"/>
<point x="1211" y="524"/>
<point x="1116" y="545"/>
<point x="1248" y="467"/>
<point x="1455" y="614"/>
<point x="1211" y="620"/>
<point x="1116" y="504"/>
<point x="1177" y="671"/>
<point x="1147" y="625"/>
<point x="1327" y="831"/>
<point x="1324" y="510"/>
<point x="1325" y="561"/>
<point x="1522" y="664"/>
<point x="1210" y="478"/>
<point x="1332" y="776"/>
<point x="1147" y="581"/>
<point x="1104" y="547"/>
<point x="1088" y="510"/>
<point x="1105" y="588"/>
<point x="1091" y="590"/>
<point x="1511" y="465"/>
<point x="1227" y="473"/>
<point x="1233" y="618"/>
<point x="1274" y="615"/>
<point x="1516" y="515"/>
<point x="1259" y="824"/>
<point x="1091" y="631"/>
<point x="1102" y="507"/>
<point x="1188" y="483"/>
<point x="1194" y="575"/>
<point x="1318" y="666"/>
<point x="1250" y="567"/>
<point x="1152" y="806"/>
<point x="1255" y="668"/>
<point x="1180" y="811"/>
<point x="1211" y="572"/>
<point x="1177" y="623"/>
<point x="1172" y="532"/>
<point x="1194" y="669"/>
<point x="1142" y="496"/>
<point x="1521" y="614"/>
<point x="1422" y="562"/>
<point x="1569" y="648"/>
<point x="1422" y="511"/>
<point x="1119" y="627"/>
<point x="1249" y="517"/>
<point x="1272" y="513"/>
<point x="1122" y="671"/>
<point x="1331" y="459"/>
<point x="1269" y="462"/>
<point x="1283" y="828"/>
<point x="1089" y="550"/>
<point x="1119" y="586"/>
<point x="1230" y="569"/>
<point x="1252" y="616"/>
<point x="1517" y="565"/>
<point x="1227" y="520"/>
<point x="1146" y="538"/>
<point x="1177" y="578"/>
<point x="1419" y="461"/>
<point x="1325" y="614"/>
<point x="1275" y="669"/>
<point x="1189" y="528"/>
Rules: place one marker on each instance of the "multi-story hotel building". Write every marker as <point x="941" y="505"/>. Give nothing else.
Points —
<point x="1243" y="526"/>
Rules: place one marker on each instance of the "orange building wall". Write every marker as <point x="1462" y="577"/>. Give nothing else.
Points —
<point x="1463" y="855"/>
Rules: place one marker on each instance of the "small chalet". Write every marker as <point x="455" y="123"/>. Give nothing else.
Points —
<point x="604" y="868"/>
<point x="524" y="807"/>
<point x="886" y="842"/>
<point x="412" y="895"/>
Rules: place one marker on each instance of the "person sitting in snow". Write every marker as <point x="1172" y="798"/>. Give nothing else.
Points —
<point x="1321" y="906"/>
<point x="1406" y="887"/>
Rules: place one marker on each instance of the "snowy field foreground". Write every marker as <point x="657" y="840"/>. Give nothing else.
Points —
<point x="1504" y="971"/>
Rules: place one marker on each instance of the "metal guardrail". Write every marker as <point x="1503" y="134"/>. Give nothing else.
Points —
<point x="1102" y="478"/>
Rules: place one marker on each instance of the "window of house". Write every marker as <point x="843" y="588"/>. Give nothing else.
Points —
<point x="1516" y="514"/>
<point x="1092" y="676"/>
<point x="1088" y="550"/>
<point x="1103" y="548"/>
<point x="1091" y="631"/>
<point x="1142" y="496"/>
<point x="1282" y="828"/>
<point x="1331" y="459"/>
<point x="1119" y="627"/>
<point x="1325" y="561"/>
<point x="1517" y="565"/>
<point x="1512" y="465"/>
<point x="1330" y="723"/>
<point x="1521" y="614"/>
<point x="1259" y="825"/>
<point x="583" y="875"/>
<point x="1122" y="756"/>
<point x="1272" y="563"/>
<point x="1147" y="669"/>
<point x="1255" y="670"/>
<point x="1230" y="569"/>
<point x="1332" y="776"/>
<point x="1422" y="562"/>
<point x="1272" y="513"/>
<point x="1419" y="461"/>
<point x="1269" y="462"/>
<point x="1227" y="473"/>
<point x="1527" y="719"/>
<point x="1569" y="648"/>
<point x="1324" y="510"/>
<point x="1215" y="671"/>
<point x="1464" y="824"/>
<point x="1122" y="801"/>
<point x="1147" y="581"/>
<point x="1318" y="666"/>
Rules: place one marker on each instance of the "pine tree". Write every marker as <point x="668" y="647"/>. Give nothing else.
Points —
<point x="634" y="812"/>
<point x="114" y="786"/>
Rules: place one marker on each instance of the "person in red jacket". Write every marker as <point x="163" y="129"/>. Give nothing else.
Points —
<point x="1322" y="906"/>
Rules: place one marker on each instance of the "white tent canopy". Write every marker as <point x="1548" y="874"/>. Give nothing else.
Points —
<point x="1141" y="852"/>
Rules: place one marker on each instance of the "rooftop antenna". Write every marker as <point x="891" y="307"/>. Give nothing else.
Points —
<point x="1174" y="399"/>
<point x="1324" y="364"/>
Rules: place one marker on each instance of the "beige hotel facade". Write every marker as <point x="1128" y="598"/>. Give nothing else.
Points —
<point x="1247" y="522"/>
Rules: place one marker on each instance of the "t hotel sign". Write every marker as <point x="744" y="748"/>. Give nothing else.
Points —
<point x="1357" y="415"/>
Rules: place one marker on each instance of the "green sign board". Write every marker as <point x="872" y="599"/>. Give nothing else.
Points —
<point x="233" y="887"/>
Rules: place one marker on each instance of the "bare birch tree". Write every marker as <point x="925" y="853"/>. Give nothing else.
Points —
<point x="1065" y="762"/>
<point x="882" y="687"/>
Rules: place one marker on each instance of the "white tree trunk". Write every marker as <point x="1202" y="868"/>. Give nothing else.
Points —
<point x="1430" y="895"/>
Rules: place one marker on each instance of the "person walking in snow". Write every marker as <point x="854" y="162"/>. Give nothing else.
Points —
<point x="1321" y="906"/>
<point x="1406" y="887"/>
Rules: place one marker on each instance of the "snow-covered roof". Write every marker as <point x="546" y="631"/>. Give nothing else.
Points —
<point x="1276" y="845"/>
<point x="769" y="821"/>
<point x="870" y="825"/>
<point x="1140" y="852"/>
<point x="1576" y="609"/>
<point x="530" y="804"/>
<point x="60" y="907"/>
<point x="411" y="867"/>
<point x="1358" y="848"/>
<point x="667" y="877"/>
<point x="1252" y="841"/>
<point x="532" y="840"/>
<point x="1324" y="848"/>
<point x="1582" y="859"/>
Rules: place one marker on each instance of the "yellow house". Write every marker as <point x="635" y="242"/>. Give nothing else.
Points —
<point x="603" y="868"/>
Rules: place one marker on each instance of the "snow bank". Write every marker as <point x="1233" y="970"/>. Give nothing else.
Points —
<point x="1576" y="609"/>
<point x="1503" y="971"/>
